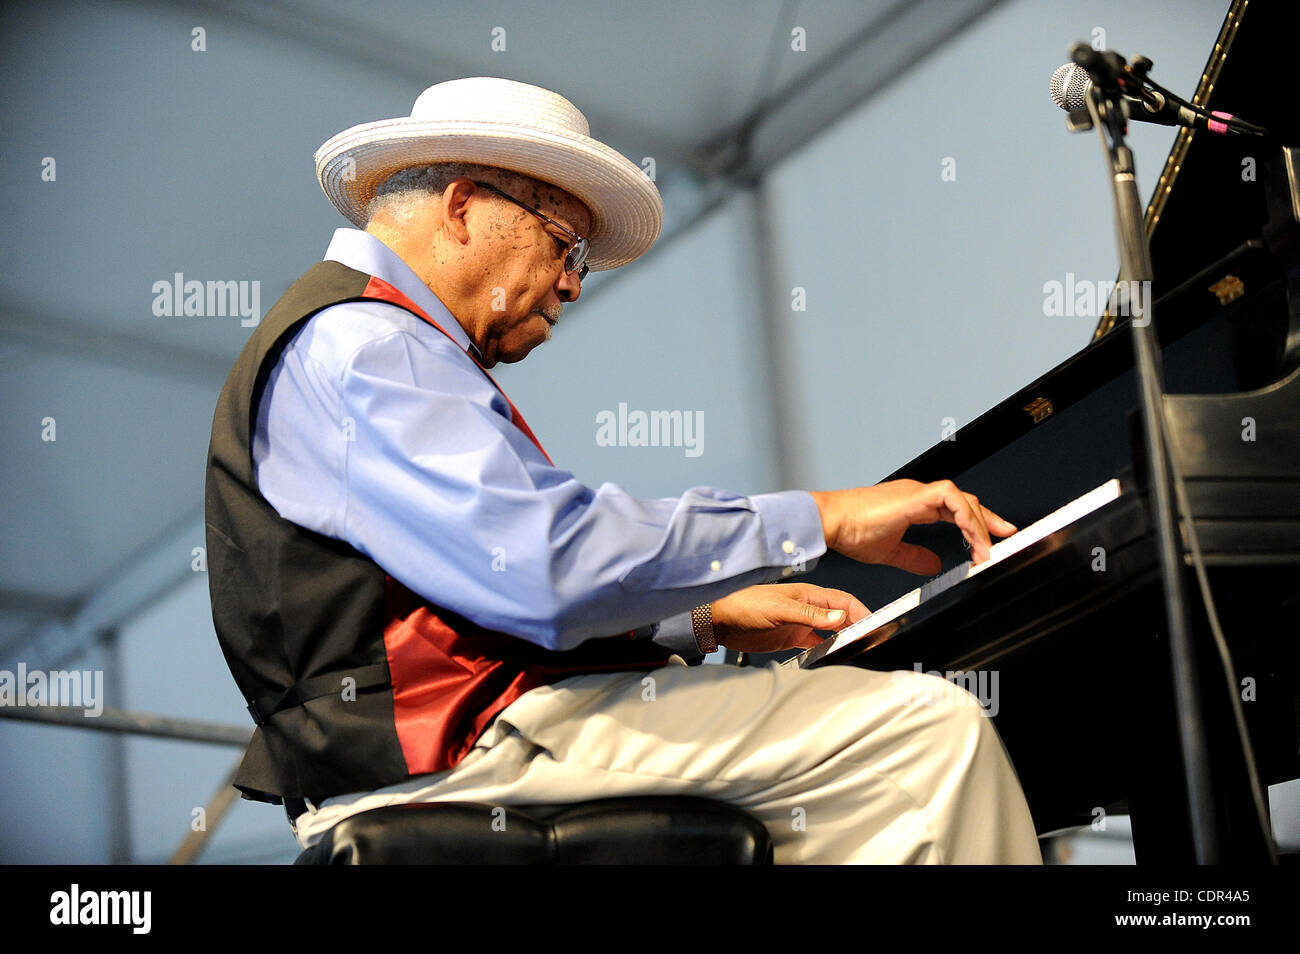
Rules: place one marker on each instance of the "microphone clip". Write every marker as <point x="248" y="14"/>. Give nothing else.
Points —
<point x="1109" y="70"/>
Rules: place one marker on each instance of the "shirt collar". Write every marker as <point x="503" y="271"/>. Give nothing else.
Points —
<point x="362" y="251"/>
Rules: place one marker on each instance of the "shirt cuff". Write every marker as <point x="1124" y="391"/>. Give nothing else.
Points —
<point x="677" y="634"/>
<point x="792" y="526"/>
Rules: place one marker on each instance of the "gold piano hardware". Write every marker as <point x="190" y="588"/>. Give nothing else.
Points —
<point x="1039" y="409"/>
<point x="1228" y="288"/>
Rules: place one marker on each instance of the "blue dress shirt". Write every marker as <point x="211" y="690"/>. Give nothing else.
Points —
<point x="376" y="429"/>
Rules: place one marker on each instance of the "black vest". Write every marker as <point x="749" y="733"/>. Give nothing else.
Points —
<point x="314" y="632"/>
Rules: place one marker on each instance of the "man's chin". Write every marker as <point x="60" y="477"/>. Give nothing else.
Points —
<point x="514" y="357"/>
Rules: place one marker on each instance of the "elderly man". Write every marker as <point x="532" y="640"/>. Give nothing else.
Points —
<point x="419" y="605"/>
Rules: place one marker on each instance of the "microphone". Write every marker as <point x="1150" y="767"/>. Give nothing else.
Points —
<point x="1070" y="84"/>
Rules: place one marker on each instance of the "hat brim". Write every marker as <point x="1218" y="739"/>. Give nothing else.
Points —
<point x="626" y="209"/>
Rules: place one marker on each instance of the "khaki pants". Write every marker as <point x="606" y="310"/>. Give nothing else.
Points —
<point x="841" y="764"/>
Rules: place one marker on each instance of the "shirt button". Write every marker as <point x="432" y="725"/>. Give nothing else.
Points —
<point x="715" y="566"/>
<point x="788" y="546"/>
<point x="787" y="571"/>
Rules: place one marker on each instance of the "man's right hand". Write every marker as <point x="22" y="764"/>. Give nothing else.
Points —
<point x="868" y="523"/>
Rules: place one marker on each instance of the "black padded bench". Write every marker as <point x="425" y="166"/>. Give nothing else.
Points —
<point x="656" y="830"/>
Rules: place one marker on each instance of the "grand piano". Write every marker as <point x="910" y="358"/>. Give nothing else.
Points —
<point x="1073" y="623"/>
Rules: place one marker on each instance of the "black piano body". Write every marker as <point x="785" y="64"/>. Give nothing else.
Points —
<point x="1073" y="626"/>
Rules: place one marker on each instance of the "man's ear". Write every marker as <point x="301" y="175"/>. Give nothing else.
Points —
<point x="454" y="206"/>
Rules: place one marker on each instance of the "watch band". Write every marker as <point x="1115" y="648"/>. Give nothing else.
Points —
<point x="702" y="625"/>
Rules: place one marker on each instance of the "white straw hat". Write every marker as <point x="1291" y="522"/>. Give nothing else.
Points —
<point x="498" y="122"/>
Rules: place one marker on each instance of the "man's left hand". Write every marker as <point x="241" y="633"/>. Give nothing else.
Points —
<point x="776" y="616"/>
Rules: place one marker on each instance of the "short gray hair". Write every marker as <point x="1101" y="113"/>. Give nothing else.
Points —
<point x="433" y="179"/>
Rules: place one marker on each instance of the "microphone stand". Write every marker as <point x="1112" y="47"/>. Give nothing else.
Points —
<point x="1106" y="114"/>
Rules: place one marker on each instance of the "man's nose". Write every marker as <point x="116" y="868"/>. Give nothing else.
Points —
<point x="569" y="287"/>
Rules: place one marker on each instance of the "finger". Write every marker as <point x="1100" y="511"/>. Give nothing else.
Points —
<point x="831" y="599"/>
<point x="964" y="517"/>
<point x="914" y="559"/>
<point x="795" y="635"/>
<point x="977" y="513"/>
<point x="790" y="609"/>
<point x="1000" y="527"/>
<point x="855" y="608"/>
<point x="807" y="641"/>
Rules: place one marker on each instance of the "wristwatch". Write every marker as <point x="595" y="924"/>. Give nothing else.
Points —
<point x="702" y="624"/>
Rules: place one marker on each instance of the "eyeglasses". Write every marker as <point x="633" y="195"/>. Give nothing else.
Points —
<point x="575" y="259"/>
